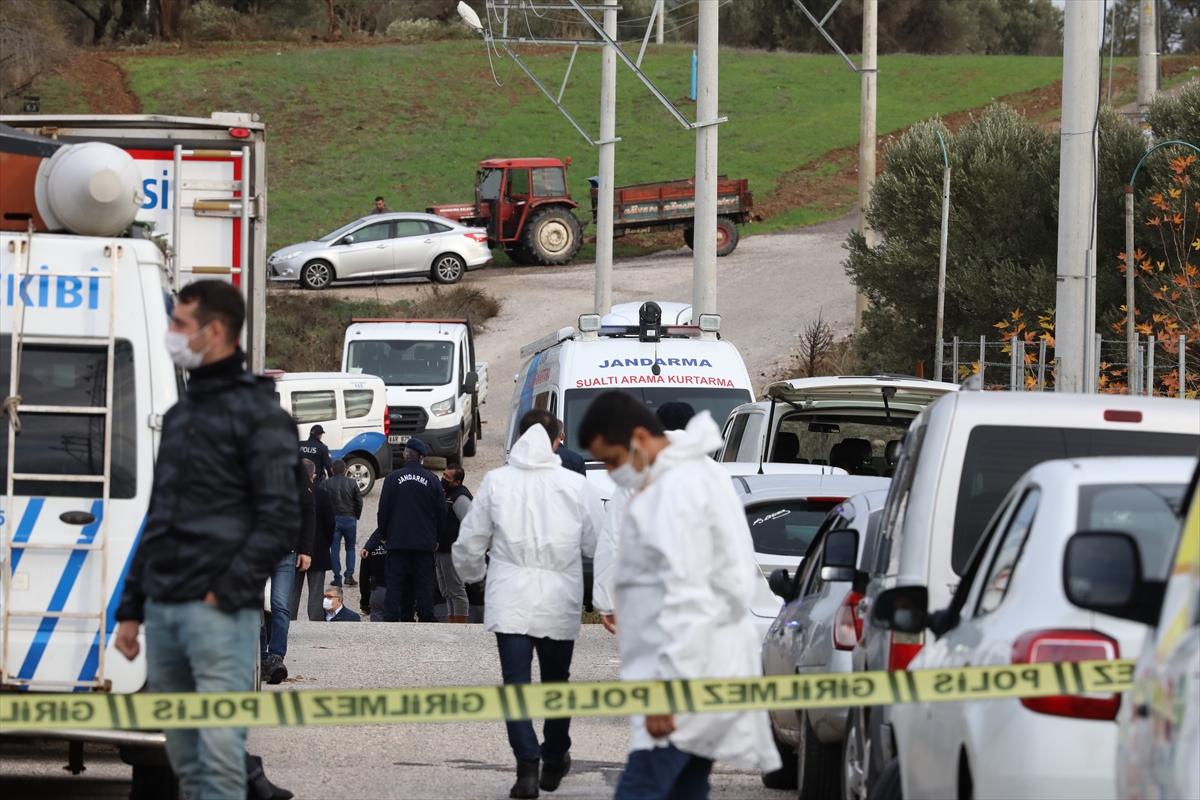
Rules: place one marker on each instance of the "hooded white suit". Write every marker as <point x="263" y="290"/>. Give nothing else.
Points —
<point x="539" y="521"/>
<point x="684" y="583"/>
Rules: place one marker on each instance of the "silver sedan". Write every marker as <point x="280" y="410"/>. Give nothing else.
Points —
<point x="384" y="246"/>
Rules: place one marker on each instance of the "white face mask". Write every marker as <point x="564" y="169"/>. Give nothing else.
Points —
<point x="183" y="355"/>
<point x="327" y="604"/>
<point x="626" y="476"/>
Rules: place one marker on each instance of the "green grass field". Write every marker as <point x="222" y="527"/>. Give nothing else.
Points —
<point x="411" y="122"/>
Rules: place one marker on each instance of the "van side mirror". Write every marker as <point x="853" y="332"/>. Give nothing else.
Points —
<point x="1102" y="572"/>
<point x="348" y="239"/>
<point x="839" y="558"/>
<point x="781" y="584"/>
<point x="904" y="609"/>
<point x="470" y="382"/>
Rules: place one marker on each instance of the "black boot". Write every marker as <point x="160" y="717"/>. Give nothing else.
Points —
<point x="527" y="779"/>
<point x="552" y="774"/>
<point x="258" y="786"/>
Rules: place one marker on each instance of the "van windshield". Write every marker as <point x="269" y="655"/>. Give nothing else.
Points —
<point x="403" y="363"/>
<point x="340" y="232"/>
<point x="998" y="455"/>
<point x="718" y="402"/>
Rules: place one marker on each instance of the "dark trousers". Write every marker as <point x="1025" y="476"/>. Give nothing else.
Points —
<point x="315" y="580"/>
<point x="409" y="567"/>
<point x="516" y="664"/>
<point x="664" y="773"/>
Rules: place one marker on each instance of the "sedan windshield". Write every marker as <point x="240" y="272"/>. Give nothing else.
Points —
<point x="403" y="363"/>
<point x="340" y="232"/>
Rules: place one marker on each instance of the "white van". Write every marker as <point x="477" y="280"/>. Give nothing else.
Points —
<point x="353" y="411"/>
<point x="660" y="358"/>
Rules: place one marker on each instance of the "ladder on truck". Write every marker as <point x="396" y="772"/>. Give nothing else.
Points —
<point x="95" y="551"/>
<point x="231" y="206"/>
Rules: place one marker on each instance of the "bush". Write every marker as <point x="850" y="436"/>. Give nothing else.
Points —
<point x="415" y="31"/>
<point x="205" y="21"/>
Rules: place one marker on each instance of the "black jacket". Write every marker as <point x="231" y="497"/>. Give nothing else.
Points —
<point x="347" y="498"/>
<point x="323" y="541"/>
<point x="224" y="506"/>
<point x="571" y="460"/>
<point x="449" y="534"/>
<point x="316" y="451"/>
<point x="345" y="615"/>
<point x="412" y="509"/>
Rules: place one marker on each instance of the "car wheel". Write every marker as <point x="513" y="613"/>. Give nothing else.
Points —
<point x="817" y="764"/>
<point x="784" y="777"/>
<point x="448" y="268"/>
<point x="888" y="786"/>
<point x="855" y="758"/>
<point x="552" y="236"/>
<point x="316" y="275"/>
<point x="363" y="474"/>
<point x="727" y="236"/>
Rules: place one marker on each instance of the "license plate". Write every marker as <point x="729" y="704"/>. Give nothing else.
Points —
<point x="397" y="439"/>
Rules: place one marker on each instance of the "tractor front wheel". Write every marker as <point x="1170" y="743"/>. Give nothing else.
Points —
<point x="552" y="236"/>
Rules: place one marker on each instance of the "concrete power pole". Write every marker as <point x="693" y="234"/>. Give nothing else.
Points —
<point x="1147" y="56"/>
<point x="1075" y="317"/>
<point x="866" y="135"/>
<point x="604" y="196"/>
<point x="704" y="252"/>
<point x="662" y="12"/>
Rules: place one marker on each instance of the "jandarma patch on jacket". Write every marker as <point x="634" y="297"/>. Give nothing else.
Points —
<point x="27" y="711"/>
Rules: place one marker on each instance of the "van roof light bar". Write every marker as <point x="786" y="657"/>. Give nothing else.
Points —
<point x="380" y="319"/>
<point x="547" y="341"/>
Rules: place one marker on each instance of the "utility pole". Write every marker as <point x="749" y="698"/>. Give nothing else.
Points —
<point x="866" y="135"/>
<point x="662" y="12"/>
<point x="1147" y="56"/>
<point x="704" y="249"/>
<point x="607" y="144"/>
<point x="1075" y="318"/>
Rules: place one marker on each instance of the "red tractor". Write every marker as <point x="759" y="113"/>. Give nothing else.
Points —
<point x="525" y="206"/>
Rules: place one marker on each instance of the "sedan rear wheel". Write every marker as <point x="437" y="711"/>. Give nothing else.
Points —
<point x="316" y="275"/>
<point x="448" y="268"/>
<point x="854" y="759"/>
<point x="817" y="764"/>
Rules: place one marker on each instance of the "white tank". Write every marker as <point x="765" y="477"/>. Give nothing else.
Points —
<point x="93" y="189"/>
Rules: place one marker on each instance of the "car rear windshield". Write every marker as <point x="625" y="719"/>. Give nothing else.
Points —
<point x="997" y="455"/>
<point x="403" y="363"/>
<point x="1147" y="512"/>
<point x="786" y="527"/>
<point x="718" y="402"/>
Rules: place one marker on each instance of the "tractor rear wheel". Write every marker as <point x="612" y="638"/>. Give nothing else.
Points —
<point x="552" y="236"/>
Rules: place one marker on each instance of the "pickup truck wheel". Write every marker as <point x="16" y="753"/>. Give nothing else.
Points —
<point x="447" y="268"/>
<point x="362" y="472"/>
<point x="552" y="236"/>
<point x="468" y="448"/>
<point x="689" y="237"/>
<point x="316" y="275"/>
<point x="727" y="236"/>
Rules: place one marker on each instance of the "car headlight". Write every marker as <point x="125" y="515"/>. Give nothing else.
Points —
<point x="290" y="256"/>
<point x="443" y="408"/>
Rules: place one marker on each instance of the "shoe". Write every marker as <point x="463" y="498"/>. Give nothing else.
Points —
<point x="336" y="582"/>
<point x="350" y="581"/>
<point x="553" y="773"/>
<point x="274" y="670"/>
<point x="457" y="619"/>
<point x="258" y="786"/>
<point x="527" y="779"/>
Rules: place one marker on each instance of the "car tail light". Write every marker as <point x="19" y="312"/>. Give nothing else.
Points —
<point x="479" y="237"/>
<point x="387" y="420"/>
<point x="1056" y="646"/>
<point x="847" y="623"/>
<point x="904" y="648"/>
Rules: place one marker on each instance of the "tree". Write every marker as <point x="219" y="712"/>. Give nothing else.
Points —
<point x="31" y="43"/>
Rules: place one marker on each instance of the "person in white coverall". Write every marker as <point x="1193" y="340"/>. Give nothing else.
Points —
<point x="539" y="520"/>
<point x="683" y="585"/>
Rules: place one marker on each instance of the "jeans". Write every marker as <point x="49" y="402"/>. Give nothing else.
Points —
<point x="315" y="578"/>
<point x="274" y="641"/>
<point x="664" y="773"/>
<point x="516" y="664"/>
<point x="195" y="647"/>
<point x="450" y="585"/>
<point x="414" y="568"/>
<point x="345" y="532"/>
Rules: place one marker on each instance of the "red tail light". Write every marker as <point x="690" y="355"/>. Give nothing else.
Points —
<point x="479" y="237"/>
<point x="904" y="648"/>
<point x="387" y="420"/>
<point x="847" y="624"/>
<point x="1056" y="646"/>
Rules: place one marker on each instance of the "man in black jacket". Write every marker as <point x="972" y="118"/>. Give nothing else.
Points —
<point x="314" y="576"/>
<point x="412" y="509"/>
<point x="347" y="509"/>
<point x="458" y="504"/>
<point x="223" y="511"/>
<point x="315" y="451"/>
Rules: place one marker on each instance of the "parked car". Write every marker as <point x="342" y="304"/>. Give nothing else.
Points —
<point x="960" y="458"/>
<point x="815" y="632"/>
<point x="1160" y="718"/>
<point x="384" y="246"/>
<point x="1011" y="608"/>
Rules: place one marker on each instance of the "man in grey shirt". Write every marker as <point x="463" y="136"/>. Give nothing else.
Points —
<point x="381" y="207"/>
<point x="458" y="498"/>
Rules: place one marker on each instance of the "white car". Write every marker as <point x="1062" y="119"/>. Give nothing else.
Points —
<point x="1011" y="607"/>
<point x="384" y="246"/>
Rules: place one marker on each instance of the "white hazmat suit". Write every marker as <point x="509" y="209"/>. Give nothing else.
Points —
<point x="684" y="583"/>
<point x="539" y="520"/>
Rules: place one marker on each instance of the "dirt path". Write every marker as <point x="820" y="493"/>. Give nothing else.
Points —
<point x="102" y="83"/>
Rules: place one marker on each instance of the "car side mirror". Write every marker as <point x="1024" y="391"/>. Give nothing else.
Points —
<point x="904" y="609"/>
<point x="1102" y="572"/>
<point x="470" y="382"/>
<point x="781" y="584"/>
<point x="348" y="239"/>
<point x="839" y="558"/>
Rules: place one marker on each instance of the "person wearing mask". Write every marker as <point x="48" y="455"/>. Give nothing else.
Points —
<point x="314" y="576"/>
<point x="273" y="633"/>
<point x="458" y="502"/>
<point x="223" y="511"/>
<point x="684" y="583"/>
<point x="381" y="207"/>
<point x="538" y="520"/>
<point x="347" y="509"/>
<point x="334" y="610"/>
<point x="412" y="510"/>
<point x="315" y="451"/>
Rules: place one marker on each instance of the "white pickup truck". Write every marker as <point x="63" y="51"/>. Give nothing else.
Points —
<point x="434" y="386"/>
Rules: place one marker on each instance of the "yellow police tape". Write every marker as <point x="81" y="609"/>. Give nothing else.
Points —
<point x="145" y="711"/>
